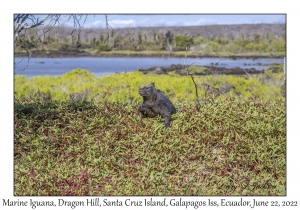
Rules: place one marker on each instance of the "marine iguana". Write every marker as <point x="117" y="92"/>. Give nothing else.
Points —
<point x="155" y="103"/>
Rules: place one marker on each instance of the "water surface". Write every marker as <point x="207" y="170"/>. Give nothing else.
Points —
<point x="107" y="66"/>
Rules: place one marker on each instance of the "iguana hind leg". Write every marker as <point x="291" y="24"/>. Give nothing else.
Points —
<point x="166" y="115"/>
<point x="167" y="120"/>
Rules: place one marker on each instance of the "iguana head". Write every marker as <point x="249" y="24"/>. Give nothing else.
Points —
<point x="147" y="89"/>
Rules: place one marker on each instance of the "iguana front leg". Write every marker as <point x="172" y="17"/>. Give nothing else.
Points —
<point x="144" y="111"/>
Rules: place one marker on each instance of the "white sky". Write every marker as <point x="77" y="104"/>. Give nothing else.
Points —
<point x="145" y="20"/>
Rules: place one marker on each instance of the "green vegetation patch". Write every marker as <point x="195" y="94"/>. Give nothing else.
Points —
<point x="230" y="147"/>
<point x="82" y="85"/>
<point x="78" y="134"/>
<point x="202" y="70"/>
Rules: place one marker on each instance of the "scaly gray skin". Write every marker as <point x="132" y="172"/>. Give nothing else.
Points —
<point x="155" y="103"/>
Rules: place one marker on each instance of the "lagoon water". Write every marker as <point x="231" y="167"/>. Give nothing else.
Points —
<point x="107" y="66"/>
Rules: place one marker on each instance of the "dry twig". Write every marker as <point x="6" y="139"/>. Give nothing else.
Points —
<point x="192" y="76"/>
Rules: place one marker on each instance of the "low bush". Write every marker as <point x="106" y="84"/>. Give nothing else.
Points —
<point x="230" y="147"/>
<point x="124" y="87"/>
<point x="78" y="134"/>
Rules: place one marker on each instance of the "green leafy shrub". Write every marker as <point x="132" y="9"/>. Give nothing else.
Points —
<point x="124" y="87"/>
<point x="78" y="134"/>
<point x="80" y="148"/>
<point x="183" y="40"/>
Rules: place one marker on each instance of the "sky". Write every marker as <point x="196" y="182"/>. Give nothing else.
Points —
<point x="146" y="20"/>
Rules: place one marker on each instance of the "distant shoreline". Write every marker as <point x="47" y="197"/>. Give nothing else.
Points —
<point x="77" y="54"/>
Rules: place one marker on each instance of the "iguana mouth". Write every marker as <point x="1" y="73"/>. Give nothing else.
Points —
<point x="143" y="93"/>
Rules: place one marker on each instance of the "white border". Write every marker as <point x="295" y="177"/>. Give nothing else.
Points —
<point x="154" y="6"/>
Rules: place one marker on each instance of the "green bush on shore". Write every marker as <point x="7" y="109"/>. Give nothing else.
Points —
<point x="123" y="88"/>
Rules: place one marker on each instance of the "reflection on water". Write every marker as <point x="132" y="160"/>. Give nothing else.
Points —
<point x="107" y="66"/>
